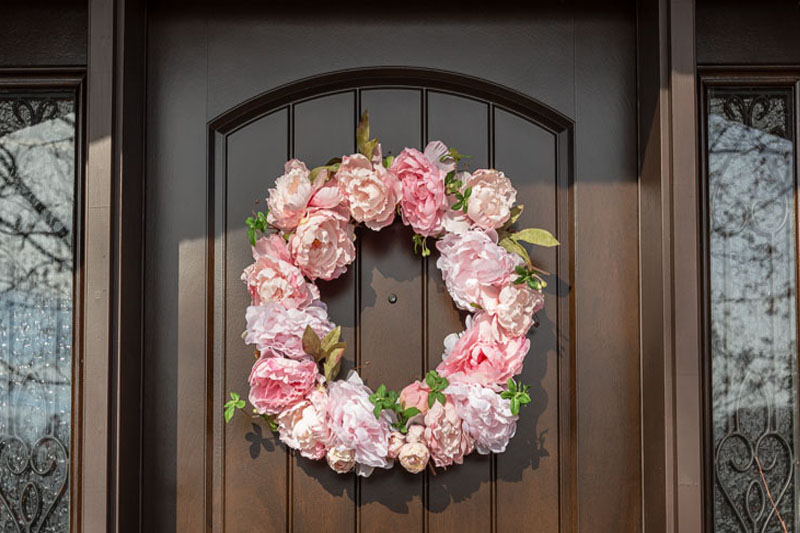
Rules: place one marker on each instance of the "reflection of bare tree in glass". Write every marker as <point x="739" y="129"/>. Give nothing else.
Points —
<point x="37" y="185"/>
<point x="753" y="308"/>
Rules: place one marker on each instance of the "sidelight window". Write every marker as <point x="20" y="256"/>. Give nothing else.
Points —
<point x="37" y="266"/>
<point x="751" y="273"/>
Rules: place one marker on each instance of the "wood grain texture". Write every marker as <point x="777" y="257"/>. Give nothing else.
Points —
<point x="248" y="54"/>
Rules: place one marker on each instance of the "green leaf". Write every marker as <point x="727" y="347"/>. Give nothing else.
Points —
<point x="332" y="364"/>
<point x="516" y="211"/>
<point x="512" y="246"/>
<point x="515" y="406"/>
<point x="366" y="146"/>
<point x="455" y="155"/>
<point x="229" y="410"/>
<point x="474" y="305"/>
<point x="382" y="390"/>
<point x="506" y="395"/>
<point x="387" y="161"/>
<point x="431" y="400"/>
<point x="311" y="343"/>
<point x="430" y="380"/>
<point x="377" y="410"/>
<point x="251" y="236"/>
<point x="511" y="385"/>
<point x="240" y="404"/>
<point x="411" y="412"/>
<point x="537" y="236"/>
<point x="332" y="337"/>
<point x="441" y="397"/>
<point x="332" y="169"/>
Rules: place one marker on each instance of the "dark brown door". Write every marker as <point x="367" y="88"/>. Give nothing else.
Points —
<point x="548" y="96"/>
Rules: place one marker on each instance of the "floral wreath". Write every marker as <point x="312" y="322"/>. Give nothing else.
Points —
<point x="470" y="401"/>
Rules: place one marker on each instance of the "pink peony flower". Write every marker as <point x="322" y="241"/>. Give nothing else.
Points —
<point x="341" y="459"/>
<point x="273" y="277"/>
<point x="272" y="327"/>
<point x="354" y="426"/>
<point x="486" y="417"/>
<point x="370" y="190"/>
<point x="491" y="199"/>
<point x="289" y="199"/>
<point x="474" y="268"/>
<point x="304" y="426"/>
<point x="322" y="245"/>
<point x="444" y="436"/>
<point x="277" y="383"/>
<point x="413" y="456"/>
<point x="423" y="202"/>
<point x="415" y="395"/>
<point x="483" y="353"/>
<point x="396" y="441"/>
<point x="515" y="307"/>
<point x="294" y="193"/>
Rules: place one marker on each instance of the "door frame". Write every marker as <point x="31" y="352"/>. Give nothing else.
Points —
<point x="670" y="323"/>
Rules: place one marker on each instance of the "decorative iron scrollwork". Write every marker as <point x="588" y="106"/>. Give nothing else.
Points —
<point x="753" y="308"/>
<point x="37" y="186"/>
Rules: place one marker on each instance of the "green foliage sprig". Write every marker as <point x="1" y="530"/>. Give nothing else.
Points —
<point x="436" y="384"/>
<point x="387" y="400"/>
<point x="529" y="277"/>
<point x="232" y="405"/>
<point x="462" y="200"/>
<point x="421" y="243"/>
<point x="518" y="395"/>
<point x="328" y="350"/>
<point x="255" y="224"/>
<point x="366" y="146"/>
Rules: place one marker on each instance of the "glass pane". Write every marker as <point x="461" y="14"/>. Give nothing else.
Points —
<point x="37" y="204"/>
<point x="752" y="269"/>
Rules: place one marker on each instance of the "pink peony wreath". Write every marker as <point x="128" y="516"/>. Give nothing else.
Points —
<point x="471" y="402"/>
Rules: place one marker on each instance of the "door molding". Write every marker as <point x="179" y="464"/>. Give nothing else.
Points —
<point x="354" y="81"/>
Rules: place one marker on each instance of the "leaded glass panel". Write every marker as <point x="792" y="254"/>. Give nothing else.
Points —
<point x="753" y="306"/>
<point x="37" y="206"/>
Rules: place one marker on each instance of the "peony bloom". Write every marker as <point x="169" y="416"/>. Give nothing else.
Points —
<point x="415" y="395"/>
<point x="423" y="202"/>
<point x="322" y="245"/>
<point x="272" y="327"/>
<point x="444" y="435"/>
<point x="354" y="426"/>
<point x="277" y="383"/>
<point x="294" y="193"/>
<point x="486" y="417"/>
<point x="396" y="441"/>
<point x="273" y="277"/>
<point x="474" y="268"/>
<point x="515" y="307"/>
<point x="289" y="199"/>
<point x="483" y="353"/>
<point x="341" y="459"/>
<point x="491" y="200"/>
<point x="414" y="457"/>
<point x="371" y="191"/>
<point x="304" y="426"/>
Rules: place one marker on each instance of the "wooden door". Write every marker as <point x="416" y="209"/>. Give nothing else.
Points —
<point x="548" y="96"/>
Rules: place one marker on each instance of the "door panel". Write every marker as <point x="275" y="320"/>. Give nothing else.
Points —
<point x="261" y="109"/>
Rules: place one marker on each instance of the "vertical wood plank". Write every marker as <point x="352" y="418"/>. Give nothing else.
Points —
<point x="528" y="472"/>
<point x="391" y="333"/>
<point x="461" y="494"/>
<point x="96" y="352"/>
<point x="321" y="499"/>
<point x="607" y="263"/>
<point x="254" y="460"/>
